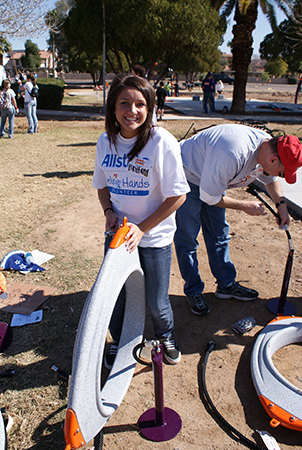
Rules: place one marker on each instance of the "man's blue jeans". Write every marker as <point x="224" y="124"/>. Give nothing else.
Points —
<point x="31" y="114"/>
<point x="208" y="97"/>
<point x="190" y="217"/>
<point x="156" y="265"/>
<point x="10" y="114"/>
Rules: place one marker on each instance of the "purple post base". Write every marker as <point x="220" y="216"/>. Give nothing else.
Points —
<point x="160" y="433"/>
<point x="159" y="423"/>
<point x="286" y="309"/>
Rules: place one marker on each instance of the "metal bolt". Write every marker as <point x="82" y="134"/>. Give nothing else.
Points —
<point x="271" y="405"/>
<point x="78" y="430"/>
<point x="292" y="418"/>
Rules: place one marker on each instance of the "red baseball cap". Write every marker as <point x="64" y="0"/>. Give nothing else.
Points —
<point x="290" y="153"/>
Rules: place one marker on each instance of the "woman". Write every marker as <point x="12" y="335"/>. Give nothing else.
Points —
<point x="30" y="104"/>
<point x="139" y="174"/>
<point x="9" y="109"/>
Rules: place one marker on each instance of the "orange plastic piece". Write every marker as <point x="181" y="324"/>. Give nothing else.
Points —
<point x="278" y="318"/>
<point x="72" y="432"/>
<point x="280" y="416"/>
<point x="120" y="236"/>
<point x="2" y="283"/>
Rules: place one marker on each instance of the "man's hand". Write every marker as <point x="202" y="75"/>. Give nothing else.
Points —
<point x="284" y="217"/>
<point x="254" y="208"/>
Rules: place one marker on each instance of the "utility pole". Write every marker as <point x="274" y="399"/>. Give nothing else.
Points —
<point x="104" y="59"/>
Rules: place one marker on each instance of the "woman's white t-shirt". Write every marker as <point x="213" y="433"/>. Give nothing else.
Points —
<point x="28" y="87"/>
<point x="138" y="187"/>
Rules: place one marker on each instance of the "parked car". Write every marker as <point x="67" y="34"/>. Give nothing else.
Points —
<point x="224" y="77"/>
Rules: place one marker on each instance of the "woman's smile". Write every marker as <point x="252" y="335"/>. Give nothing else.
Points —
<point x="130" y="111"/>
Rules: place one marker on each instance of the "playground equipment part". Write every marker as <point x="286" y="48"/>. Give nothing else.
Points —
<point x="281" y="399"/>
<point x="89" y="407"/>
<point x="160" y="423"/>
<point x="2" y="433"/>
<point x="280" y="306"/>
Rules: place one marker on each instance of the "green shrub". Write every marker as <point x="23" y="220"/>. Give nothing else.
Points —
<point x="51" y="93"/>
<point x="292" y="80"/>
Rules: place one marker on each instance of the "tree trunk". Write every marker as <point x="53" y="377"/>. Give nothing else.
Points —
<point x="242" y="52"/>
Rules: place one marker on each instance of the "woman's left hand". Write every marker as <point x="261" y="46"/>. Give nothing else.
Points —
<point x="133" y="237"/>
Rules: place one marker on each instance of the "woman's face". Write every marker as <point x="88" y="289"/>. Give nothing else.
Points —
<point x="131" y="111"/>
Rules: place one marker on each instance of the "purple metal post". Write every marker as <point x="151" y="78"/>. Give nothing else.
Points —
<point x="157" y="364"/>
<point x="159" y="423"/>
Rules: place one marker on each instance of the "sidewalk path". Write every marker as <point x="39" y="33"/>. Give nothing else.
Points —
<point x="255" y="109"/>
<point x="192" y="110"/>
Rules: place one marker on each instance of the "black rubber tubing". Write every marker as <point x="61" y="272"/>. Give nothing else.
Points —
<point x="244" y="440"/>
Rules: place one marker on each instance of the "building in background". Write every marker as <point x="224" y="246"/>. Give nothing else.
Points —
<point x="13" y="62"/>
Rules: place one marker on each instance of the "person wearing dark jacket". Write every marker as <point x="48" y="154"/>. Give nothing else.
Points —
<point x="161" y="94"/>
<point x="208" y="87"/>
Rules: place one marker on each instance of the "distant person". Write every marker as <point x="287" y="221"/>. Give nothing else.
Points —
<point x="22" y="75"/>
<point x="208" y="87"/>
<point x="176" y="87"/>
<point x="139" y="71"/>
<point x="8" y="107"/>
<point x="219" y="87"/>
<point x="2" y="71"/>
<point x="161" y="94"/>
<point x="30" y="104"/>
<point x="167" y="86"/>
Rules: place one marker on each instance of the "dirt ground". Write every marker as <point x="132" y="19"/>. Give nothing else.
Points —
<point x="259" y="251"/>
<point x="51" y="195"/>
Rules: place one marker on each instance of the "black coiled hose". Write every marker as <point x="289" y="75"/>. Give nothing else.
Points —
<point x="244" y="440"/>
<point x="98" y="440"/>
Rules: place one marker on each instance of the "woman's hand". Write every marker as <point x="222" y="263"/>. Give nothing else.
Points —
<point x="133" y="237"/>
<point x="112" y="223"/>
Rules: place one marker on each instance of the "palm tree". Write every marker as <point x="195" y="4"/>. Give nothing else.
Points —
<point x="246" y="12"/>
<point x="5" y="46"/>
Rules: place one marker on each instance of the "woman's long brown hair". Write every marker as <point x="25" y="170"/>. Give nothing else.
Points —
<point x="119" y="83"/>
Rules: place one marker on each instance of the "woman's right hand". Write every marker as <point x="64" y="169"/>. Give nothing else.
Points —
<point x="112" y="223"/>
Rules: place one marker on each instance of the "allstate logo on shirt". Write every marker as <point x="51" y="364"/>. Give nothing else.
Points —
<point x="112" y="160"/>
<point x="140" y="165"/>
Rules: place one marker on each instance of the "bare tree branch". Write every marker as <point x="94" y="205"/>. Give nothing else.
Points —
<point x="20" y="18"/>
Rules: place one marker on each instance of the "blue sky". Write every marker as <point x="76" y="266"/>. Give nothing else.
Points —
<point x="262" y="29"/>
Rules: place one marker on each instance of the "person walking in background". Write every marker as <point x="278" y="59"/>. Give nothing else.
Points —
<point x="208" y="87"/>
<point x="161" y="94"/>
<point x="139" y="174"/>
<point x="30" y="103"/>
<point x="8" y="107"/>
<point x="176" y="87"/>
